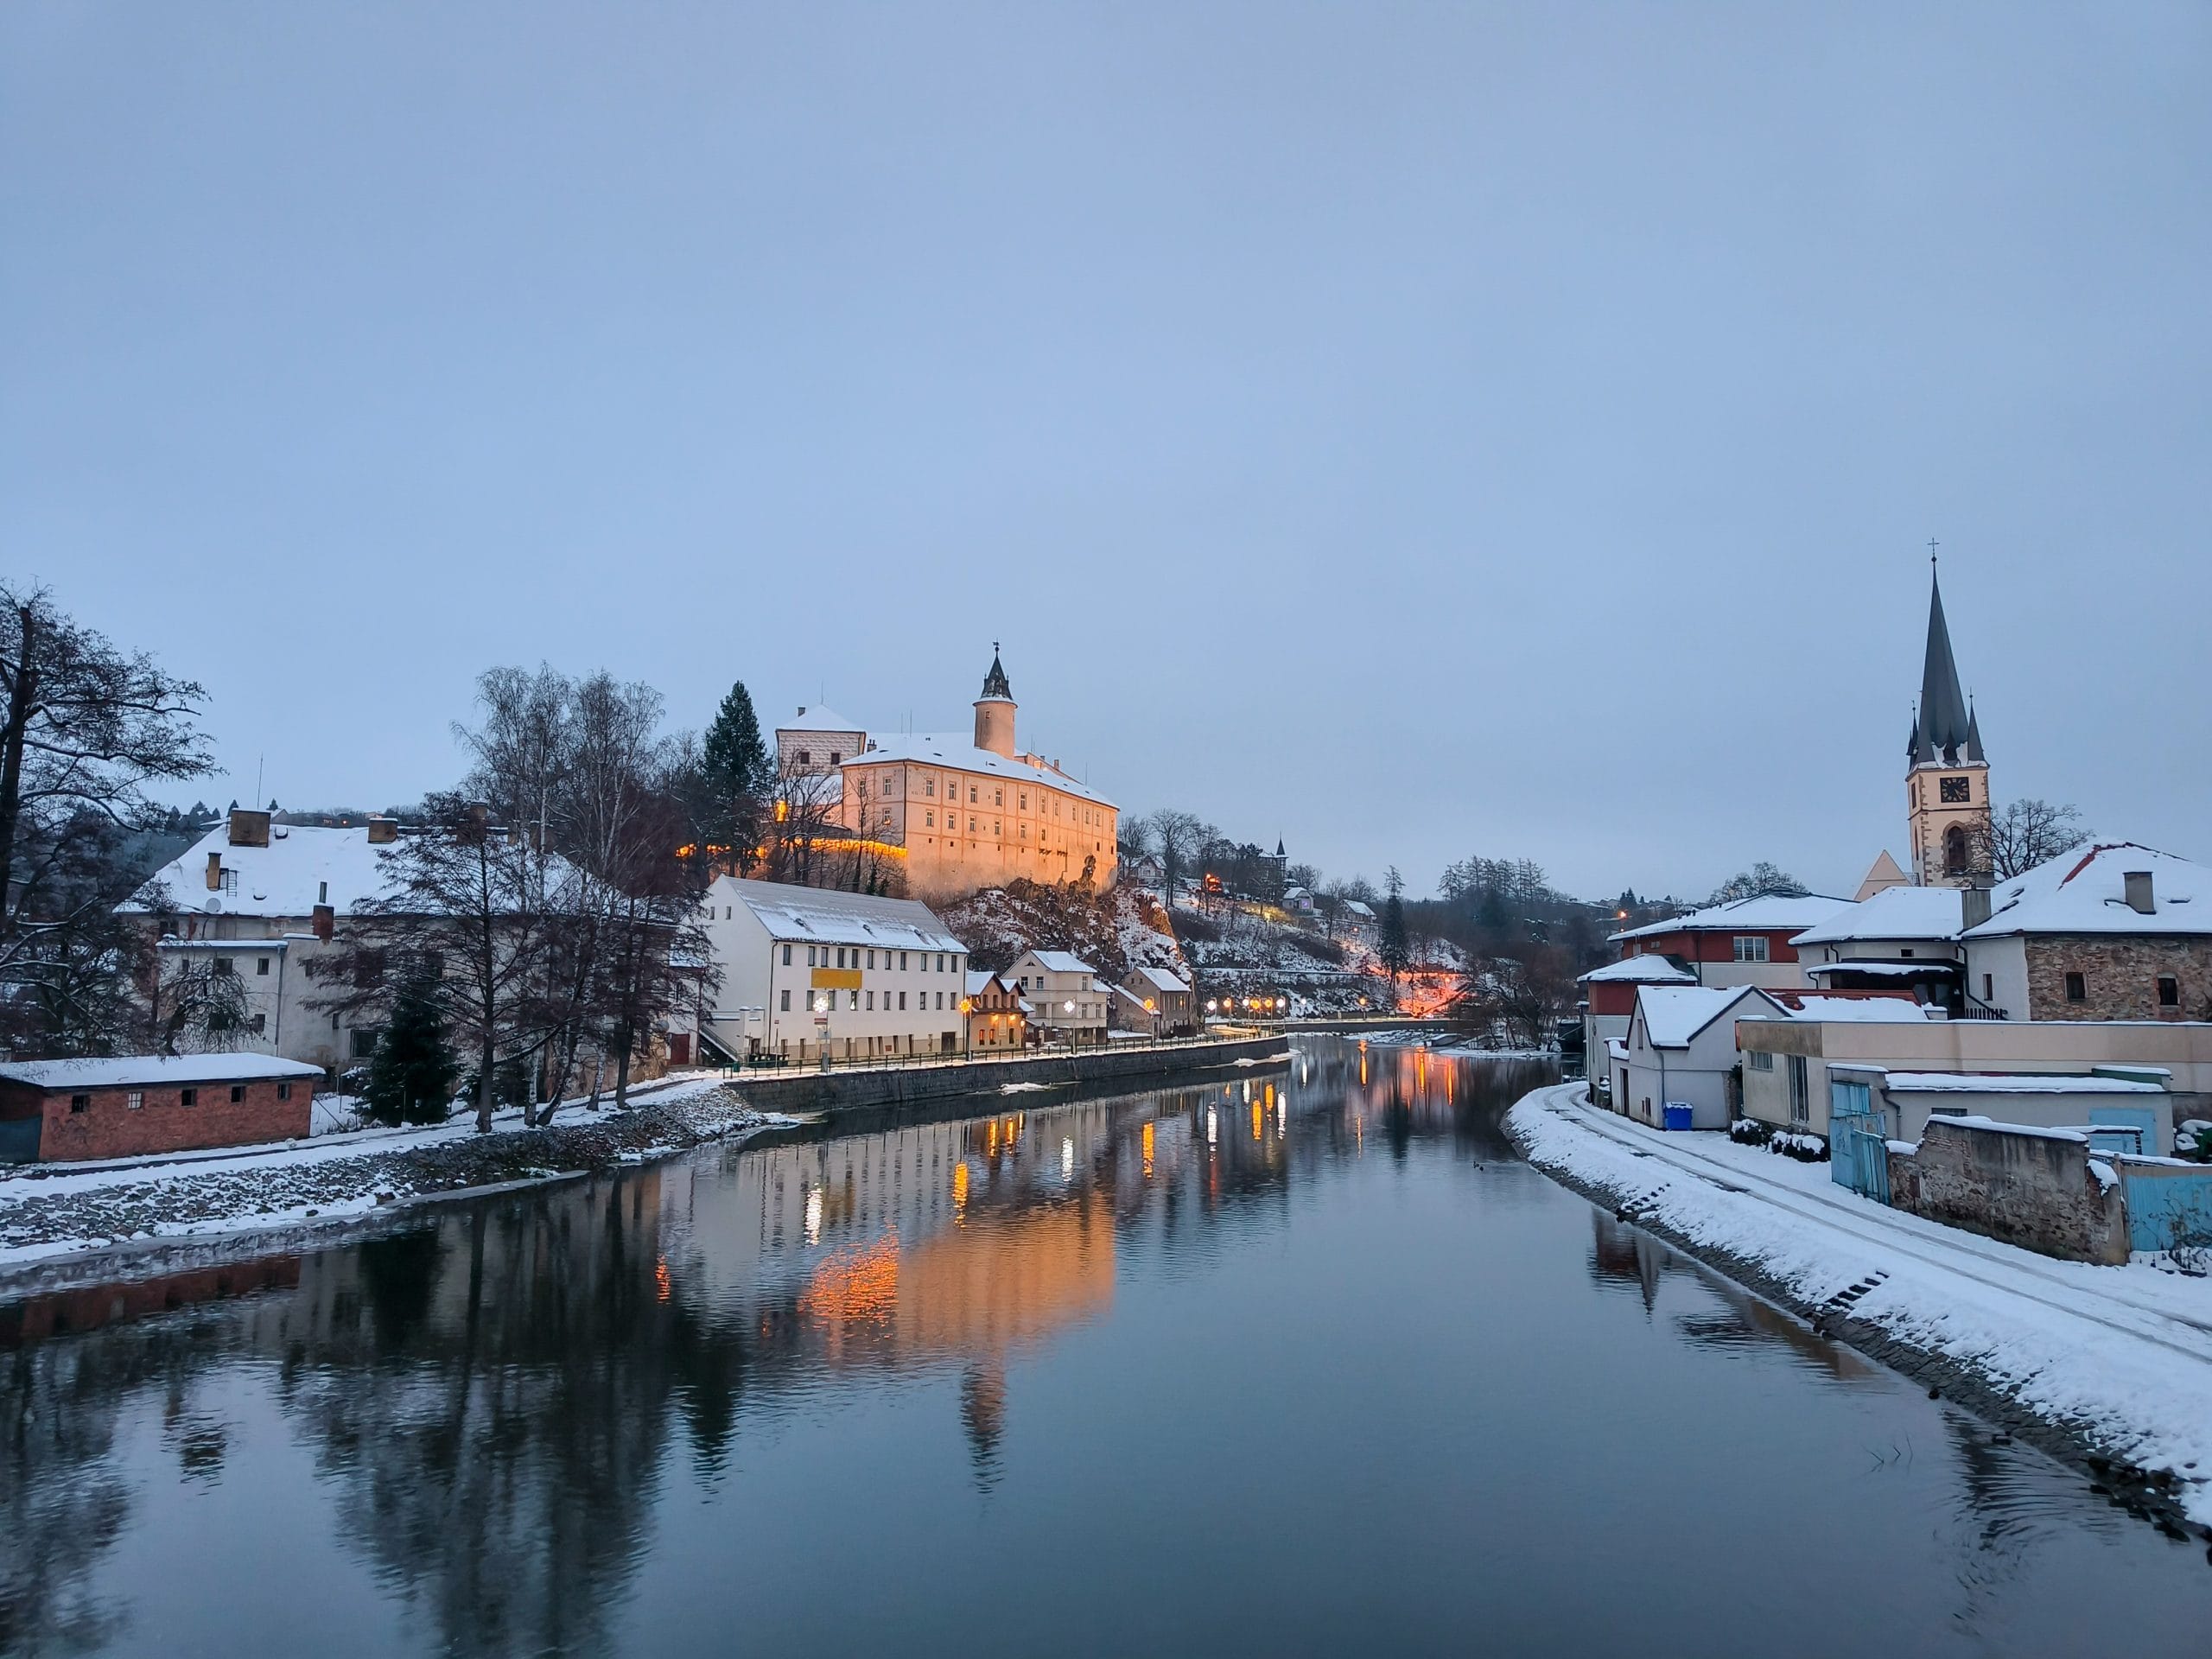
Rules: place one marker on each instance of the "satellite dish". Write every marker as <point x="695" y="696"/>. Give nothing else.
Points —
<point x="212" y="907"/>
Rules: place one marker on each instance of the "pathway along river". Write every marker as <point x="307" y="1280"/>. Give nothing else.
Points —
<point x="1305" y="1363"/>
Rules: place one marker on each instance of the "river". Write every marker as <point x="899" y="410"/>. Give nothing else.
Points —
<point x="1304" y="1363"/>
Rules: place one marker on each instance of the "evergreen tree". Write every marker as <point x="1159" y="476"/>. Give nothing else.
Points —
<point x="1393" y="947"/>
<point x="737" y="774"/>
<point x="412" y="1073"/>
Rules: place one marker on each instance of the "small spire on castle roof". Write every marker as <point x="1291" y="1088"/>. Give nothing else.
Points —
<point x="994" y="683"/>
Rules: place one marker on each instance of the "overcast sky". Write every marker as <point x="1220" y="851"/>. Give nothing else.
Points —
<point x="1409" y="430"/>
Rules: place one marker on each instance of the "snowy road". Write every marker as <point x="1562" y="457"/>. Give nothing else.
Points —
<point x="2124" y="1354"/>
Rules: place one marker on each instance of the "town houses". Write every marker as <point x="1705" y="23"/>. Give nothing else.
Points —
<point x="2072" y="997"/>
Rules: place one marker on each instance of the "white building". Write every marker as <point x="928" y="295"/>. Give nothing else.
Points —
<point x="1680" y="1051"/>
<point x="804" y="969"/>
<point x="262" y="900"/>
<point x="1070" y="1003"/>
<point x="1609" y="1001"/>
<point x="1899" y="938"/>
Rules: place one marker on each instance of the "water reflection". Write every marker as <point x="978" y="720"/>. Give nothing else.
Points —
<point x="499" y="1407"/>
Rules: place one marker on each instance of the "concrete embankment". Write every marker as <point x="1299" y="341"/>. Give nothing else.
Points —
<point x="844" y="1094"/>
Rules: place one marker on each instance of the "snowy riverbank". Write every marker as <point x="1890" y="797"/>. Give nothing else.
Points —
<point x="2117" y="1361"/>
<point x="87" y="1217"/>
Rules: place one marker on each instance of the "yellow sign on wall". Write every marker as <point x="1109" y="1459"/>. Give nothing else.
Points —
<point x="835" y="979"/>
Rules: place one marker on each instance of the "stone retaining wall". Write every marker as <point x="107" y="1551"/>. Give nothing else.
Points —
<point x="2035" y="1188"/>
<point x="876" y="1088"/>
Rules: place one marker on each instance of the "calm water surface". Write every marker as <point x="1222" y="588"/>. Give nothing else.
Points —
<point x="1305" y="1363"/>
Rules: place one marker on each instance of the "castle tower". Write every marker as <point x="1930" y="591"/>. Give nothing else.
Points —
<point x="995" y="710"/>
<point x="1946" y="782"/>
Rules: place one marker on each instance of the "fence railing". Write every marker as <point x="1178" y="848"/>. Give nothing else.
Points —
<point x="772" y="1066"/>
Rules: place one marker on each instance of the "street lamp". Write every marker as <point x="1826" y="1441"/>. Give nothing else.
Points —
<point x="1068" y="1007"/>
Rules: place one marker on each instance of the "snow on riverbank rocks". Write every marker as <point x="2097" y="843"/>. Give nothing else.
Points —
<point x="62" y="1212"/>
<point x="2114" y="1361"/>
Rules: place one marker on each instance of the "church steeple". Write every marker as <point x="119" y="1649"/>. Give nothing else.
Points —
<point x="1943" y="726"/>
<point x="994" y="683"/>
<point x="1946" y="779"/>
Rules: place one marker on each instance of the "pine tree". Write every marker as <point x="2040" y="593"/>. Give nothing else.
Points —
<point x="1393" y="947"/>
<point x="412" y="1073"/>
<point x="738" y="775"/>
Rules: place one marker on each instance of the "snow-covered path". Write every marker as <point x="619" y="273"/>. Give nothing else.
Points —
<point x="2124" y="1355"/>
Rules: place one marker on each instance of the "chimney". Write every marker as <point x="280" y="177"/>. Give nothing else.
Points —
<point x="214" y="871"/>
<point x="1974" y="908"/>
<point x="2138" y="893"/>
<point x="326" y="923"/>
<point x="249" y="827"/>
<point x="383" y="831"/>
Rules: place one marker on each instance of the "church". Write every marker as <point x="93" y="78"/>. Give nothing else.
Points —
<point x="958" y="812"/>
<point x="1947" y="776"/>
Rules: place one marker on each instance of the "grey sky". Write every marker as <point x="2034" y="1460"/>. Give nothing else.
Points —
<point x="1412" y="430"/>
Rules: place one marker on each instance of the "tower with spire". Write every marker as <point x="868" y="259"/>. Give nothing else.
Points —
<point x="995" y="710"/>
<point x="1947" y="775"/>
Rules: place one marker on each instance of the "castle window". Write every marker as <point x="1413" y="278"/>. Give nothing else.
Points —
<point x="2169" y="991"/>
<point x="929" y="786"/>
<point x="2077" y="989"/>
<point x="1956" y="792"/>
<point x="806" y="757"/>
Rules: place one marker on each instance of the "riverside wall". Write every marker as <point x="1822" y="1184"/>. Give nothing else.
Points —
<point x="875" y="1089"/>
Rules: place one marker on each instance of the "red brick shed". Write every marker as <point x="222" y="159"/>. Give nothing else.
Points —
<point x="56" y="1111"/>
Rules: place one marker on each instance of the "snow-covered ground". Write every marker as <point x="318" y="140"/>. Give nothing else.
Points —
<point x="54" y="1210"/>
<point x="2121" y="1356"/>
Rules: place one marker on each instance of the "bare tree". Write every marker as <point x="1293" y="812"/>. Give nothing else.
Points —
<point x="1521" y="996"/>
<point x="86" y="727"/>
<point x="2027" y="833"/>
<point x="204" y="1003"/>
<point x="1177" y="836"/>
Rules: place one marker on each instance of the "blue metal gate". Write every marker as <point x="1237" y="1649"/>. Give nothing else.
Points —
<point x="1859" y="1141"/>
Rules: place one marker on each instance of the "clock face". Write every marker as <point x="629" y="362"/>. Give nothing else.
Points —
<point x="1956" y="792"/>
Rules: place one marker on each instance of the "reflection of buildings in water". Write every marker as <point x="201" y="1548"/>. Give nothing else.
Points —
<point x="64" y="1313"/>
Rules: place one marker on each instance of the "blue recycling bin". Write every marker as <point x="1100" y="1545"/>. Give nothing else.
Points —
<point x="1677" y="1115"/>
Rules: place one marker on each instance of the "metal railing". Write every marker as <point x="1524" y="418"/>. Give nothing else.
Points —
<point x="786" y="1065"/>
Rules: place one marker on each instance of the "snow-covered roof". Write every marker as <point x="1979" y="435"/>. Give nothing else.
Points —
<point x="288" y="878"/>
<point x="1892" y="914"/>
<point x="1857" y="1010"/>
<point x="1672" y="1014"/>
<point x="1616" y="1048"/>
<point x="957" y="751"/>
<point x="820" y="720"/>
<point x="1161" y="979"/>
<point x="1638" y="970"/>
<point x="1059" y="962"/>
<point x="2085" y="892"/>
<point x="1360" y="907"/>
<point x="154" y="1070"/>
<point x="826" y="916"/>
<point x="1767" y="912"/>
<point x="2012" y="1083"/>
<point x="979" y="982"/>
<point x="1884" y="969"/>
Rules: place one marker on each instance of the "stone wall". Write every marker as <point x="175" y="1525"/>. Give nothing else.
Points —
<point x="2121" y="974"/>
<point x="2030" y="1187"/>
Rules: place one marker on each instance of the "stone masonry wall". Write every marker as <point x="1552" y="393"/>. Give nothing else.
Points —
<point x="2030" y="1189"/>
<point x="2120" y="975"/>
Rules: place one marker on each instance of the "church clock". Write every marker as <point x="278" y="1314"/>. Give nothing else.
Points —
<point x="1956" y="792"/>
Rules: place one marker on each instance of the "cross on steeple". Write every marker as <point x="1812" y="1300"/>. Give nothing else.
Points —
<point x="1931" y="550"/>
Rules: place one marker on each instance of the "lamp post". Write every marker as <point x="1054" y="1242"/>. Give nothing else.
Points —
<point x="1068" y="1007"/>
<point x="822" y="1027"/>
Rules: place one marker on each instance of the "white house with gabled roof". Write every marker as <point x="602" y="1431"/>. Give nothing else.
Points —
<point x="1680" y="1051"/>
<point x="806" y="969"/>
<point x="1070" y="1000"/>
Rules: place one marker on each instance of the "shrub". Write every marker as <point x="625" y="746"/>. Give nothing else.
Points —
<point x="1750" y="1132"/>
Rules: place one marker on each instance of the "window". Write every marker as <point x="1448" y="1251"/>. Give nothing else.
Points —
<point x="971" y="795"/>
<point x="806" y="757"/>
<point x="1955" y="850"/>
<point x="256" y="1023"/>
<point x="187" y="1096"/>
<point x="837" y="756"/>
<point x="871" y="1002"/>
<point x="928" y="787"/>
<point x="135" y="1100"/>
<point x="80" y="1102"/>
<point x="2169" y="991"/>
<point x="230" y="881"/>
<point x="1800" y="1093"/>
<point x="364" y="1043"/>
<point x="810" y="956"/>
<point x="902" y="962"/>
<point x="787" y="955"/>
<point x="223" y="965"/>
<point x="852" y="1000"/>
<point x="283" y="1091"/>
<point x="787" y="1000"/>
<point x="1751" y="947"/>
<point x="871" y="958"/>
<point x="2077" y="989"/>
<point x="940" y="962"/>
<point x="261" y="966"/>
<point x="1989" y="990"/>
<point x="238" y="1093"/>
<point x="998" y="797"/>
<point x="902" y="1002"/>
<point x="1956" y="792"/>
<point x="1760" y="1059"/>
<point x="929" y="819"/>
